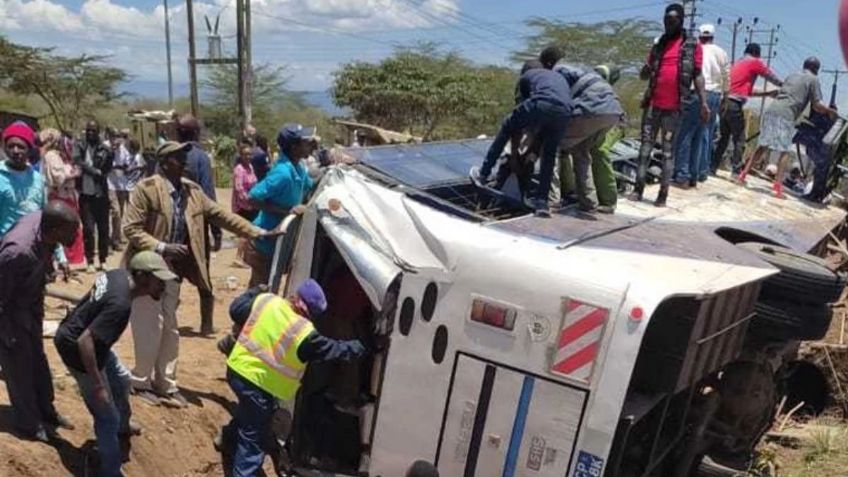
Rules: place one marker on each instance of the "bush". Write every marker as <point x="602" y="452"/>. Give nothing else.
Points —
<point x="223" y="152"/>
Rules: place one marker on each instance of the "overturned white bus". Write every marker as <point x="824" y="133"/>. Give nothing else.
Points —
<point x="649" y="343"/>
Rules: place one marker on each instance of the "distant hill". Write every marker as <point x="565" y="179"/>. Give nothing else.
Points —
<point x="324" y="101"/>
<point x="159" y="90"/>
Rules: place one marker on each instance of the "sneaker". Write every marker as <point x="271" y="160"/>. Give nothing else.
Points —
<point x="148" y="397"/>
<point x="777" y="187"/>
<point x="605" y="209"/>
<point x="541" y="208"/>
<point x="477" y="177"/>
<point x="40" y="435"/>
<point x="175" y="399"/>
<point x="89" y="268"/>
<point x="636" y="195"/>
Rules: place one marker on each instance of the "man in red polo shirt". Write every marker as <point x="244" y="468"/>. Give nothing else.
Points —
<point x="673" y="67"/>
<point x="743" y="75"/>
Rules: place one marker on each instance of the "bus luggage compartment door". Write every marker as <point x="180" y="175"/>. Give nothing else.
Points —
<point x="503" y="422"/>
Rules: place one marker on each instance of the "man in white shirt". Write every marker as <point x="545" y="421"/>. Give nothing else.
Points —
<point x="716" y="71"/>
<point x="690" y="165"/>
<point x="118" y="190"/>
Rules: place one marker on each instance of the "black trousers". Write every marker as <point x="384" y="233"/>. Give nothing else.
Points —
<point x="731" y="126"/>
<point x="94" y="212"/>
<point x="28" y="380"/>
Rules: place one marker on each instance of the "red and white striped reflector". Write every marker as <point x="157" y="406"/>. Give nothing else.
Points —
<point x="580" y="340"/>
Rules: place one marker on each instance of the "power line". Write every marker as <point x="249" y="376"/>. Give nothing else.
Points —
<point x="321" y="29"/>
<point x="427" y="16"/>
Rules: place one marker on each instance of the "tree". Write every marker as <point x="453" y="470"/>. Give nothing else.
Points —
<point x="270" y="95"/>
<point x="71" y="87"/>
<point x="424" y="91"/>
<point x="623" y="43"/>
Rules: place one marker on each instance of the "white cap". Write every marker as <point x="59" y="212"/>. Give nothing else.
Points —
<point x="707" y="29"/>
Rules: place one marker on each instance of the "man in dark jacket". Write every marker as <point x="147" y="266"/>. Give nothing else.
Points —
<point x="545" y="107"/>
<point x="199" y="169"/>
<point x="596" y="109"/>
<point x="26" y="257"/>
<point x="94" y="158"/>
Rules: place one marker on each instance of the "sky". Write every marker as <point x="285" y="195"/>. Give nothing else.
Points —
<point x="312" y="38"/>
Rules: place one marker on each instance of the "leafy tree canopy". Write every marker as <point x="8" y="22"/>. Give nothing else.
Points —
<point x="426" y="92"/>
<point x="219" y="108"/>
<point x="72" y="88"/>
<point x="623" y="43"/>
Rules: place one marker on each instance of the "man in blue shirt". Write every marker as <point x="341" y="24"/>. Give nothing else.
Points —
<point x="199" y="169"/>
<point x="279" y="194"/>
<point x="545" y="107"/>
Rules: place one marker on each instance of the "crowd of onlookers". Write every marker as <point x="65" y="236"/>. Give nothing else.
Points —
<point x="62" y="199"/>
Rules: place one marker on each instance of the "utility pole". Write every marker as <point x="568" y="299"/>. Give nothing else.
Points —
<point x="736" y="25"/>
<point x="240" y="57"/>
<point x="168" y="55"/>
<point x="690" y="7"/>
<point x="214" y="49"/>
<point x="248" y="67"/>
<point x="192" y="59"/>
<point x="835" y="74"/>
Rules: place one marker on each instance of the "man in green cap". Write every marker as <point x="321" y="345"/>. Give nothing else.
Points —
<point x="85" y="339"/>
<point x="167" y="214"/>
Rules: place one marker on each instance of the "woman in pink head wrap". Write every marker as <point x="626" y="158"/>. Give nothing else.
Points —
<point x="60" y="176"/>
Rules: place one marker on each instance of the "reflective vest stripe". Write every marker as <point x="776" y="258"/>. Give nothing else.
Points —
<point x="269" y="360"/>
<point x="259" y="307"/>
<point x="282" y="345"/>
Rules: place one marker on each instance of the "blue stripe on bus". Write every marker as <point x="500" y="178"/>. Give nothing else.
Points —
<point x="518" y="426"/>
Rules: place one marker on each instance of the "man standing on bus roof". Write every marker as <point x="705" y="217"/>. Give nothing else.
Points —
<point x="673" y="67"/>
<point x="269" y="358"/>
<point x="743" y="74"/>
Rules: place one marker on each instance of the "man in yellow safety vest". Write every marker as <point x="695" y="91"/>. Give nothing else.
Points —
<point x="269" y="359"/>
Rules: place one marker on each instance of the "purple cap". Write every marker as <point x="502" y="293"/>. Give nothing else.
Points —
<point x="313" y="295"/>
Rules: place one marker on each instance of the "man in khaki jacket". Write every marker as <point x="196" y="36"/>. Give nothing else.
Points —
<point x="167" y="214"/>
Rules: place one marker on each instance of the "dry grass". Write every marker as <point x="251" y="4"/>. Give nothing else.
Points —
<point x="823" y="452"/>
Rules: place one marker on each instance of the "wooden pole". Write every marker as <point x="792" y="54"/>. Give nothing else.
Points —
<point x="192" y="67"/>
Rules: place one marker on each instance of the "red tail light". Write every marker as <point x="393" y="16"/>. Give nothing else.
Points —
<point x="491" y="314"/>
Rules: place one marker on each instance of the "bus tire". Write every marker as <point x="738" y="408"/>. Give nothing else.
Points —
<point x="788" y="320"/>
<point x="803" y="278"/>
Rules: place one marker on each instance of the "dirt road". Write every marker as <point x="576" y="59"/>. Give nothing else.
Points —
<point x="175" y="442"/>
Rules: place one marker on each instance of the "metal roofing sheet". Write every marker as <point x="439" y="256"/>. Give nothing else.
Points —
<point x="426" y="165"/>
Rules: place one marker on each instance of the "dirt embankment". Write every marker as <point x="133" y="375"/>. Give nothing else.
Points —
<point x="174" y="442"/>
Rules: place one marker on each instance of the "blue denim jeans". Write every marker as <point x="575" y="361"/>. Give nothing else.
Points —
<point x="549" y="120"/>
<point x="714" y="102"/>
<point x="253" y="414"/>
<point x="687" y="155"/>
<point x="109" y="419"/>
